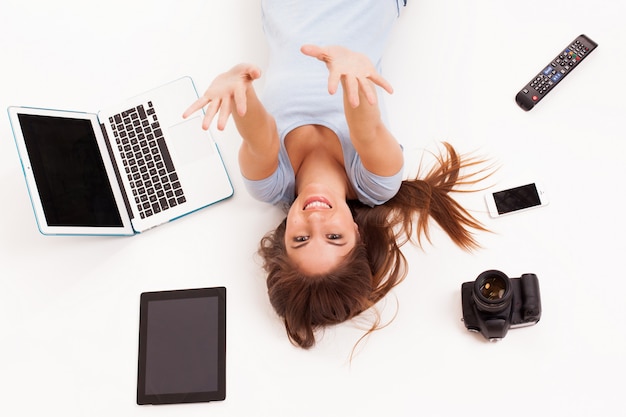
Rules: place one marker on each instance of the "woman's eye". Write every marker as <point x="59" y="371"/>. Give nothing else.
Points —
<point x="301" y="238"/>
<point x="333" y="236"/>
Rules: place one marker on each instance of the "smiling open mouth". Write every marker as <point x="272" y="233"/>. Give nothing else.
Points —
<point x="317" y="203"/>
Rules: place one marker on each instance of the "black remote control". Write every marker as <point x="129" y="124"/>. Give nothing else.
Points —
<point x="554" y="72"/>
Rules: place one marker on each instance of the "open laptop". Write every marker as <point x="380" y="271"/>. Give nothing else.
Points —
<point x="122" y="171"/>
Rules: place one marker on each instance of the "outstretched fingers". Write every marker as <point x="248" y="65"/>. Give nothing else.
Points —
<point x="227" y="93"/>
<point x="354" y="70"/>
<point x="322" y="54"/>
<point x="195" y="106"/>
<point x="314" y="51"/>
<point x="351" y="85"/>
<point x="241" y="101"/>
<point x="378" y="79"/>
<point x="224" y="113"/>
<point x="364" y="85"/>
<point x="212" y="107"/>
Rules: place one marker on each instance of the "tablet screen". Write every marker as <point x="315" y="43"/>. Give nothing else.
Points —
<point x="182" y="346"/>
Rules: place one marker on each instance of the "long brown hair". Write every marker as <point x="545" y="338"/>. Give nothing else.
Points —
<point x="375" y="265"/>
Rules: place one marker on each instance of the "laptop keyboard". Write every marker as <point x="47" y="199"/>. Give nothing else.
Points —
<point x="147" y="161"/>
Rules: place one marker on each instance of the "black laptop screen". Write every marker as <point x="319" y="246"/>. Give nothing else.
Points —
<point x="69" y="171"/>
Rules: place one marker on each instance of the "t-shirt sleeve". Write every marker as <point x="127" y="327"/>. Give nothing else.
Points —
<point x="372" y="189"/>
<point x="269" y="190"/>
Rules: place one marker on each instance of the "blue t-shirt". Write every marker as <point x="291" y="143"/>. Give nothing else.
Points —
<point x="296" y="86"/>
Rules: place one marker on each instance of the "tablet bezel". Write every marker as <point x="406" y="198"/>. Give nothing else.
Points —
<point x="189" y="397"/>
<point x="126" y="229"/>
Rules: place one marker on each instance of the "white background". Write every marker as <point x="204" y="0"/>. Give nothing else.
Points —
<point x="69" y="306"/>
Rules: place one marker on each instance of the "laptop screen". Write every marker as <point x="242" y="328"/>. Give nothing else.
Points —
<point x="71" y="178"/>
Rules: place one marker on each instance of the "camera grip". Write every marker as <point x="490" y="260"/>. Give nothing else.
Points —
<point x="531" y="308"/>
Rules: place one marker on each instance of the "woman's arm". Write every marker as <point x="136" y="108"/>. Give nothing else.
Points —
<point x="258" y="154"/>
<point x="379" y="151"/>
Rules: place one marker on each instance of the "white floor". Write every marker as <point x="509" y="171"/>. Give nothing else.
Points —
<point x="69" y="306"/>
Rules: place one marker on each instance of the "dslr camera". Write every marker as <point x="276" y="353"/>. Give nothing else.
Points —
<point x="495" y="303"/>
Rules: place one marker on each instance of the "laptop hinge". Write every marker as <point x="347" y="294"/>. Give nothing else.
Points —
<point x="117" y="171"/>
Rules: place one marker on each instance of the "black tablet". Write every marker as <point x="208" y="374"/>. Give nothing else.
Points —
<point x="182" y="346"/>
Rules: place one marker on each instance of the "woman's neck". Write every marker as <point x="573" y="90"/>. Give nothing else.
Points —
<point x="320" y="167"/>
<point x="317" y="158"/>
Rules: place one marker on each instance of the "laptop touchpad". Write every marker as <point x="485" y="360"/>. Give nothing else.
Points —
<point x="188" y="142"/>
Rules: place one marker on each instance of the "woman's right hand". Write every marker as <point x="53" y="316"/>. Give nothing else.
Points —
<point x="352" y="69"/>
<point x="227" y="89"/>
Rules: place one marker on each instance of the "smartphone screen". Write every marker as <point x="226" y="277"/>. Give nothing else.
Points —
<point x="518" y="198"/>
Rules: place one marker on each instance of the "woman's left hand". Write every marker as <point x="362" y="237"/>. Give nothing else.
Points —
<point x="353" y="69"/>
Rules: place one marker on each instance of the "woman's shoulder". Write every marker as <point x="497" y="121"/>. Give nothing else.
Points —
<point x="279" y="187"/>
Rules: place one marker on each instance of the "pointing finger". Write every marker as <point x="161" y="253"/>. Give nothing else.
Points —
<point x="197" y="105"/>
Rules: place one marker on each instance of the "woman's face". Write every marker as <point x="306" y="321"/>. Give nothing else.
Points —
<point x="320" y="230"/>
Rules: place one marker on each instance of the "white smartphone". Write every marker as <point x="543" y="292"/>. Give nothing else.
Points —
<point x="516" y="199"/>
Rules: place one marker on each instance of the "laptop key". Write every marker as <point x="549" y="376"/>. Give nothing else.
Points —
<point x="165" y="153"/>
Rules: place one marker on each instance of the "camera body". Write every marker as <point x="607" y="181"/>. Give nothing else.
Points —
<point x="495" y="303"/>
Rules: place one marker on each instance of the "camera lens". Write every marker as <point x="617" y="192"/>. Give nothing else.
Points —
<point x="492" y="291"/>
<point x="493" y="288"/>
